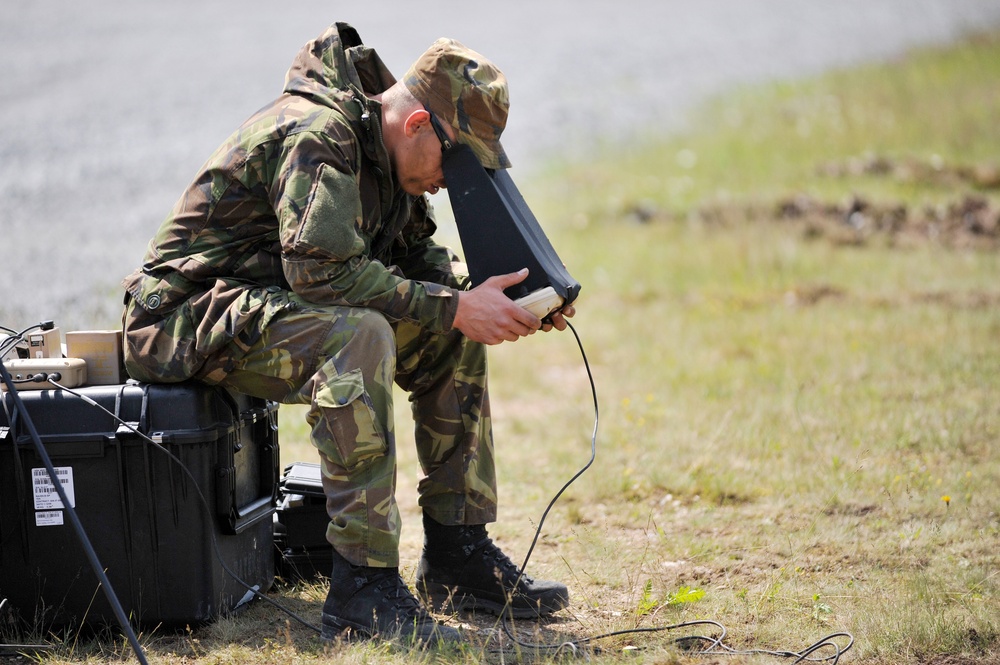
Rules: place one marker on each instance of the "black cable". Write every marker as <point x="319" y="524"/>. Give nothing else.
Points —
<point x="34" y="378"/>
<point x="593" y="456"/>
<point x="504" y="614"/>
<point x="714" y="646"/>
<point x="18" y="648"/>
<point x="17" y="336"/>
<point x="204" y="503"/>
<point x="799" y="656"/>
<point x="13" y="338"/>
<point x="574" y="646"/>
<point x="95" y="563"/>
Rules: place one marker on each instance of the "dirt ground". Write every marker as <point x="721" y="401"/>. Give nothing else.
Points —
<point x="967" y="221"/>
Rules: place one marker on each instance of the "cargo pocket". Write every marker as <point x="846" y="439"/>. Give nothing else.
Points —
<point x="350" y="422"/>
<point x="159" y="349"/>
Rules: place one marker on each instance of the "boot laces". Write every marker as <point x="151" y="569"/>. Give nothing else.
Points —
<point x="397" y="594"/>
<point x="507" y="571"/>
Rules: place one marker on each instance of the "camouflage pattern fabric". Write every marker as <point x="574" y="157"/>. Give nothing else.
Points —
<point x="469" y="92"/>
<point x="293" y="268"/>
<point x="343" y="361"/>
<point x="301" y="196"/>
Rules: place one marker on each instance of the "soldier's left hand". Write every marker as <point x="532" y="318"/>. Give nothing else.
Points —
<point x="559" y="319"/>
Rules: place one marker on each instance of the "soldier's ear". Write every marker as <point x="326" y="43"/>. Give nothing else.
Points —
<point x="416" y="122"/>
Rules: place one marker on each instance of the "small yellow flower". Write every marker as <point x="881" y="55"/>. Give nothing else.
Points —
<point x="946" y="499"/>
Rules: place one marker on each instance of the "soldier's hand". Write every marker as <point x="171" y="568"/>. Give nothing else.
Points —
<point x="559" y="318"/>
<point x="487" y="315"/>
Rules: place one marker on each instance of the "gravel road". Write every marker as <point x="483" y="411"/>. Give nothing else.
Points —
<point x="107" y="108"/>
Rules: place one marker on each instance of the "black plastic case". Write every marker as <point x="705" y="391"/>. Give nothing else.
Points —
<point x="300" y="523"/>
<point x="165" y="551"/>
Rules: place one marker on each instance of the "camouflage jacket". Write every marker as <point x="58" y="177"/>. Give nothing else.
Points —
<point x="302" y="197"/>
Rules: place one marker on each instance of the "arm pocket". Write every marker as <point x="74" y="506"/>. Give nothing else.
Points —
<point x="332" y="217"/>
<point x="349" y="422"/>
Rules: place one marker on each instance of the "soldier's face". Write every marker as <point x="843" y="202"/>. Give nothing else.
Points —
<point x="418" y="167"/>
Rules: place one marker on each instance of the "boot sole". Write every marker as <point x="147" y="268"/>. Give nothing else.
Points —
<point x="454" y="600"/>
<point x="334" y="628"/>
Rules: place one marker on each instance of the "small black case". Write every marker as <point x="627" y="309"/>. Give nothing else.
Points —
<point x="302" y="551"/>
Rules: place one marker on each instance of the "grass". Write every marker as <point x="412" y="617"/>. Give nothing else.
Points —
<point x="937" y="107"/>
<point x="797" y="432"/>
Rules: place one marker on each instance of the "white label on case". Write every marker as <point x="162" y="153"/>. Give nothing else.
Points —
<point x="46" y="496"/>
<point x="49" y="518"/>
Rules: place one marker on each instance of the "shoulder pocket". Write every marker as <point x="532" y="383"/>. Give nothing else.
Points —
<point x="332" y="217"/>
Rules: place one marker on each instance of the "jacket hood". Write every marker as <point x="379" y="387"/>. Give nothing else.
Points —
<point x="336" y="67"/>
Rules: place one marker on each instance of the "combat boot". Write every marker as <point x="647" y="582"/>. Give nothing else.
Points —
<point x="462" y="569"/>
<point x="375" y="603"/>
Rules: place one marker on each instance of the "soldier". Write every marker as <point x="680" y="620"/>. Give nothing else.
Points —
<point x="299" y="266"/>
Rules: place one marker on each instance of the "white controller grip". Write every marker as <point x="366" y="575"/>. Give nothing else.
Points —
<point x="542" y="302"/>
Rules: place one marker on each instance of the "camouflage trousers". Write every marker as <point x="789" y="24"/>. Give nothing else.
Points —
<point x="343" y="362"/>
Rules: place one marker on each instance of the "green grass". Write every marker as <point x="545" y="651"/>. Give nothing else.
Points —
<point x="803" y="431"/>
<point x="939" y="108"/>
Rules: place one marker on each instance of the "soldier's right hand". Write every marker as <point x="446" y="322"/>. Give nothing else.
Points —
<point x="487" y="315"/>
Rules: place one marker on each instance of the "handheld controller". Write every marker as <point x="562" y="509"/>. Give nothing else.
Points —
<point x="542" y="302"/>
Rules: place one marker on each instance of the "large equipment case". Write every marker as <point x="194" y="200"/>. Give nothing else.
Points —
<point x="171" y="542"/>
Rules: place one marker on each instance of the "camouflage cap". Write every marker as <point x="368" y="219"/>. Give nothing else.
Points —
<point x="468" y="92"/>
